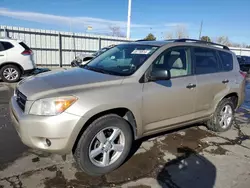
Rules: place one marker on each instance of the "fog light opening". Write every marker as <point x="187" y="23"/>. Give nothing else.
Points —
<point x="48" y="142"/>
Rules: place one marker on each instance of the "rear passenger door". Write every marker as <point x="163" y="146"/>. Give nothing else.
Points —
<point x="211" y="81"/>
<point x="169" y="102"/>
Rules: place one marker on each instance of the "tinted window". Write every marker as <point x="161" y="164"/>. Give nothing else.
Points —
<point x="1" y="47"/>
<point x="206" y="61"/>
<point x="247" y="59"/>
<point x="240" y="60"/>
<point x="24" y="46"/>
<point x="100" y="51"/>
<point x="227" y="61"/>
<point x="176" y="60"/>
<point x="7" y="45"/>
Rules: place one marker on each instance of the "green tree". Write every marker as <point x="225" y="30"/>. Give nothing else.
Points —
<point x="206" y="38"/>
<point x="150" y="36"/>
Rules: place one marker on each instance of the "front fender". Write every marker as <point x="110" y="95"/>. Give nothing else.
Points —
<point x="82" y="123"/>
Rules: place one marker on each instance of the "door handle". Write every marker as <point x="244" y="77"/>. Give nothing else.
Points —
<point x="190" y="86"/>
<point x="1" y="55"/>
<point x="225" y="81"/>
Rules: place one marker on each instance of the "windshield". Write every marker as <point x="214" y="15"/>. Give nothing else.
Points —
<point x="122" y="60"/>
<point x="100" y="51"/>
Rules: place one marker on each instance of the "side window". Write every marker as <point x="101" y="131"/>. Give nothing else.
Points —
<point x="227" y="60"/>
<point x="7" y="45"/>
<point x="176" y="60"/>
<point x="1" y="47"/>
<point x="206" y="61"/>
<point x="248" y="60"/>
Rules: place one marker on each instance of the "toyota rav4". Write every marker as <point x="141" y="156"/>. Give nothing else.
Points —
<point x="132" y="90"/>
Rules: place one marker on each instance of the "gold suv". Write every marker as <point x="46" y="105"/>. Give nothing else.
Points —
<point x="132" y="90"/>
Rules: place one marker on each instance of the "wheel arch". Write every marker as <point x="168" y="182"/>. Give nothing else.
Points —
<point x="229" y="94"/>
<point x="123" y="112"/>
<point x="212" y="123"/>
<point x="12" y="63"/>
<point x="235" y="98"/>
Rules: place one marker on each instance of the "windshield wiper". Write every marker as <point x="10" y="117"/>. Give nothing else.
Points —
<point x="102" y="70"/>
<point x="97" y="70"/>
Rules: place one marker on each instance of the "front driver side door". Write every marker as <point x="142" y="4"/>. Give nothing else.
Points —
<point x="169" y="102"/>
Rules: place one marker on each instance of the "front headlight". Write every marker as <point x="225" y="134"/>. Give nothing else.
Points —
<point x="51" y="106"/>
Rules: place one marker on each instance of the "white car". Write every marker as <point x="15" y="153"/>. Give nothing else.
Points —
<point x="16" y="59"/>
<point x="82" y="59"/>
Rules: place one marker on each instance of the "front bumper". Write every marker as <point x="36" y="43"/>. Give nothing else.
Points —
<point x="33" y="130"/>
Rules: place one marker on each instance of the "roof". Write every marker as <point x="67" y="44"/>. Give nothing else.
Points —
<point x="184" y="40"/>
<point x="152" y="42"/>
<point x="9" y="40"/>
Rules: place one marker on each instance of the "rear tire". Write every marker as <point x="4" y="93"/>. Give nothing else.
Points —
<point x="222" y="121"/>
<point x="10" y="73"/>
<point x="92" y="141"/>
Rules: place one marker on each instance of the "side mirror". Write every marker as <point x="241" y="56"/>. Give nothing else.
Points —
<point x="159" y="75"/>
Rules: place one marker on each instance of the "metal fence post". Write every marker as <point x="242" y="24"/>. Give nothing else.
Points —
<point x="6" y="34"/>
<point x="60" y="49"/>
<point x="100" y="43"/>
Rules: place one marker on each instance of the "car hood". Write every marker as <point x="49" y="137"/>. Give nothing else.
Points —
<point x="54" y="83"/>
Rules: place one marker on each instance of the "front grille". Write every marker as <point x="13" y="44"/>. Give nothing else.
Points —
<point x="20" y="99"/>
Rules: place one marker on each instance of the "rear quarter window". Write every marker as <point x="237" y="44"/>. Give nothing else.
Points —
<point x="226" y="60"/>
<point x="6" y="45"/>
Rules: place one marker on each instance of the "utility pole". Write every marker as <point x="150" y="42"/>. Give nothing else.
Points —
<point x="201" y="29"/>
<point x="129" y="19"/>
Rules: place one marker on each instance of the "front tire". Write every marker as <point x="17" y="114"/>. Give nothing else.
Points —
<point x="223" y="117"/>
<point x="104" y="145"/>
<point x="10" y="73"/>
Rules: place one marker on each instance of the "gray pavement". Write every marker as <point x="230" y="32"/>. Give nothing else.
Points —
<point x="187" y="158"/>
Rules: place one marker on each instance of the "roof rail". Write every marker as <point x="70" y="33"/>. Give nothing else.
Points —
<point x="199" y="41"/>
<point x="141" y="40"/>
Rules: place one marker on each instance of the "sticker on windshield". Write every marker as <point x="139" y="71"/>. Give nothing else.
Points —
<point x="141" y="52"/>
